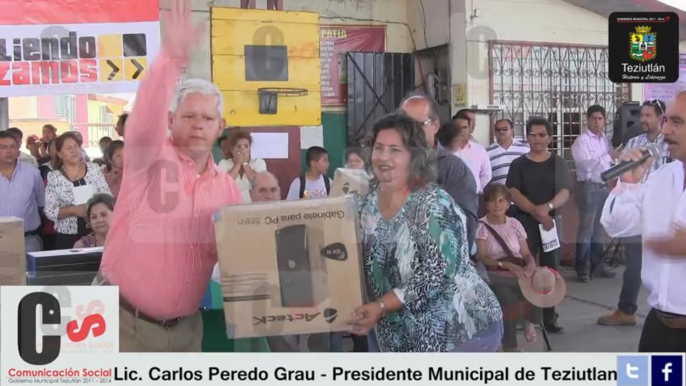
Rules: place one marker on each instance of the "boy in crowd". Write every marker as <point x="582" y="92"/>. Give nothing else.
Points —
<point x="314" y="183"/>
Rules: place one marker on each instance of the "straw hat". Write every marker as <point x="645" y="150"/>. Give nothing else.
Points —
<point x="544" y="288"/>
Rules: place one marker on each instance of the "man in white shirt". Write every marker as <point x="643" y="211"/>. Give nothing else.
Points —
<point x="504" y="150"/>
<point x="651" y="209"/>
<point x="593" y="154"/>
<point x="652" y="113"/>
<point x="471" y="152"/>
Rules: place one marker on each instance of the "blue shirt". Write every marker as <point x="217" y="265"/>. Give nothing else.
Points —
<point x="22" y="195"/>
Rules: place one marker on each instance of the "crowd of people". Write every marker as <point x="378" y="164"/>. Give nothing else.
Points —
<point x="54" y="187"/>
<point x="451" y="232"/>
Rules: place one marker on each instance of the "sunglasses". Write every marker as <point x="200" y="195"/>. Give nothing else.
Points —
<point x="658" y="103"/>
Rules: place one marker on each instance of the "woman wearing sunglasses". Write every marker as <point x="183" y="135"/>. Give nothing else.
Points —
<point x="539" y="183"/>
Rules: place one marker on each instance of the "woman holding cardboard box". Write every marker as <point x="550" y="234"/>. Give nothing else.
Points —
<point x="426" y="296"/>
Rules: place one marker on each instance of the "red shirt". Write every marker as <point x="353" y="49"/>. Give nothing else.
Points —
<point x="161" y="247"/>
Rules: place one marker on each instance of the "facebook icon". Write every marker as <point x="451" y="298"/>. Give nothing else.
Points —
<point x="632" y="370"/>
<point x="667" y="370"/>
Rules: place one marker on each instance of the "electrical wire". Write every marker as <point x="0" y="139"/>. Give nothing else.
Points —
<point x="421" y="8"/>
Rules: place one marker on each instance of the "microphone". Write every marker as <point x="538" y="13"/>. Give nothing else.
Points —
<point x="652" y="150"/>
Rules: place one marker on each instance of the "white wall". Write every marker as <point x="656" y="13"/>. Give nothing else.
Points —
<point x="436" y="19"/>
<point x="398" y="37"/>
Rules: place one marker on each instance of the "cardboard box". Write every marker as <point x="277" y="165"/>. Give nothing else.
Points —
<point x="12" y="251"/>
<point x="289" y="267"/>
<point x="350" y="181"/>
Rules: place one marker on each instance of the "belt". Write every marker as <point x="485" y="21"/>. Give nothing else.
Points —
<point x="32" y="233"/>
<point x="671" y="320"/>
<point x="167" y="323"/>
<point x="126" y="306"/>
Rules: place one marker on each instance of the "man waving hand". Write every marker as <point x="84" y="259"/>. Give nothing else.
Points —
<point x="161" y="248"/>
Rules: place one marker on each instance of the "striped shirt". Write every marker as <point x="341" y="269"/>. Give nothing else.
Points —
<point x="161" y="247"/>
<point x="22" y="195"/>
<point x="501" y="159"/>
<point x="641" y="141"/>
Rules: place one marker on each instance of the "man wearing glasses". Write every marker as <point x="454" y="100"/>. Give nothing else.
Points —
<point x="454" y="175"/>
<point x="504" y="150"/>
<point x="652" y="114"/>
<point x="593" y="154"/>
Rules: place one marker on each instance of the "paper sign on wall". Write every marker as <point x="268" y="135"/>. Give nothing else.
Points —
<point x="270" y="145"/>
<point x="666" y="91"/>
<point x="311" y="136"/>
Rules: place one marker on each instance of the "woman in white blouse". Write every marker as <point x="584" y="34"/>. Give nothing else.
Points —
<point x="70" y="186"/>
<point x="239" y="164"/>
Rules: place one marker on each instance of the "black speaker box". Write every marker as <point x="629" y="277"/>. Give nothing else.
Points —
<point x="627" y="123"/>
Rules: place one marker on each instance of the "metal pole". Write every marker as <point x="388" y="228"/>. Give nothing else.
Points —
<point x="4" y="113"/>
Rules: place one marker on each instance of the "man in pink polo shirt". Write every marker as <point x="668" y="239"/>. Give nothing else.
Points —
<point x="161" y="247"/>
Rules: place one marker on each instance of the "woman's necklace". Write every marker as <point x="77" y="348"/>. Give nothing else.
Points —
<point x="76" y="174"/>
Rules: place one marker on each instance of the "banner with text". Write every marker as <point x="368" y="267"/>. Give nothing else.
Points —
<point x="70" y="335"/>
<point x="335" y="41"/>
<point x="68" y="47"/>
<point x="666" y="91"/>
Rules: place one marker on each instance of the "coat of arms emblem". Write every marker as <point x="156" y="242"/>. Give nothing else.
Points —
<point x="643" y="44"/>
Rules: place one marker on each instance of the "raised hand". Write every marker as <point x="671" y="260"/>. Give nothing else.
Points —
<point x="180" y="35"/>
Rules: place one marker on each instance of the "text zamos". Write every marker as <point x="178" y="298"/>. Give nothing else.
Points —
<point x="48" y="60"/>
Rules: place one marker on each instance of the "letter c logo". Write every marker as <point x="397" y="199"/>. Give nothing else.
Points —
<point x="28" y="314"/>
<point x="165" y="180"/>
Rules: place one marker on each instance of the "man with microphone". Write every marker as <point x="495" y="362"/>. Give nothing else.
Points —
<point x="652" y="113"/>
<point x="651" y="208"/>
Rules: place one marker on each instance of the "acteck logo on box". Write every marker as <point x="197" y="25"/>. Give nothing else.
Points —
<point x="41" y="324"/>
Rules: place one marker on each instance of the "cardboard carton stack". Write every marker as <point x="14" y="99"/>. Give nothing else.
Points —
<point x="12" y="251"/>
